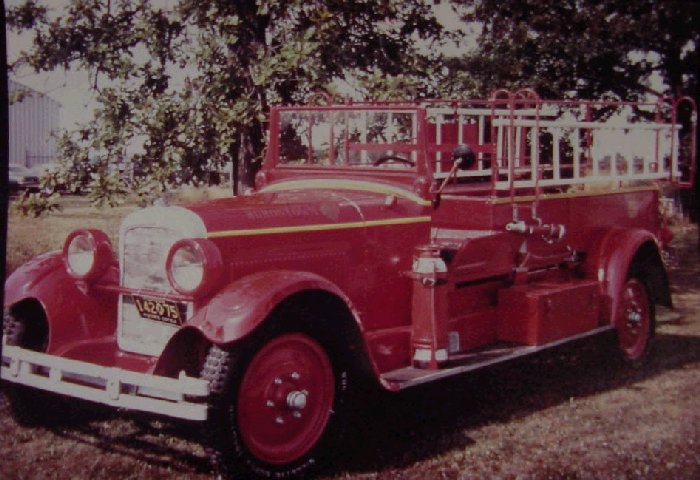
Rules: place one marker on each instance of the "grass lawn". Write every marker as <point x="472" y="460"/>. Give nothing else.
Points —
<point x="28" y="237"/>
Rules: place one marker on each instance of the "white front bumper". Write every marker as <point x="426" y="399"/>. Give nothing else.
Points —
<point x="107" y="385"/>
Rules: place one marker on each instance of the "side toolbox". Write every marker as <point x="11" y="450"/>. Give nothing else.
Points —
<point x="539" y="313"/>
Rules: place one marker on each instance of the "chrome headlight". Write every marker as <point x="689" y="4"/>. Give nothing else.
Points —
<point x="193" y="266"/>
<point x="87" y="254"/>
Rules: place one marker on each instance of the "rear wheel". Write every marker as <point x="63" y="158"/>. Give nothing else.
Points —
<point x="275" y="406"/>
<point x="635" y="322"/>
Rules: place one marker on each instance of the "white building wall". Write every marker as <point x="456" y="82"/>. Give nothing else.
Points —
<point x="31" y="124"/>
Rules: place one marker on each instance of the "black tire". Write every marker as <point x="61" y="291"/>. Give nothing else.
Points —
<point x="29" y="407"/>
<point x="238" y="446"/>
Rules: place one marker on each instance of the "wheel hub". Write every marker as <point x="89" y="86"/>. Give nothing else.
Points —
<point x="296" y="400"/>
<point x="634" y="318"/>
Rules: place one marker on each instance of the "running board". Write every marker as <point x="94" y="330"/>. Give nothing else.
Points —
<point x="410" y="376"/>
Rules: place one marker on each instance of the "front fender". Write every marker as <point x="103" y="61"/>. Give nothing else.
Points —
<point x="73" y="312"/>
<point x="246" y="303"/>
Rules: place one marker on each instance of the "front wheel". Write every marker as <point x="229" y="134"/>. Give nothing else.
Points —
<point x="31" y="407"/>
<point x="275" y="407"/>
<point x="635" y="324"/>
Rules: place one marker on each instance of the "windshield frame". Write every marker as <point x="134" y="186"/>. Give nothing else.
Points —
<point x="417" y="147"/>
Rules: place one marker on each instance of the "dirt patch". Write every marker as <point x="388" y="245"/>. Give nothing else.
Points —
<point x="570" y="413"/>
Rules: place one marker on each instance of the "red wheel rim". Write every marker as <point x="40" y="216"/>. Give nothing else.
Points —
<point x="285" y="399"/>
<point x="634" y="318"/>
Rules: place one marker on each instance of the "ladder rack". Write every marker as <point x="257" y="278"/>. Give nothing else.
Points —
<point x="523" y="142"/>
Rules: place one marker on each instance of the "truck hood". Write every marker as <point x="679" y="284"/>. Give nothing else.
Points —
<point x="277" y="211"/>
<point x="286" y="209"/>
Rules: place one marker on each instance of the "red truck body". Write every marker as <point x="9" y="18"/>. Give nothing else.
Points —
<point x="371" y="246"/>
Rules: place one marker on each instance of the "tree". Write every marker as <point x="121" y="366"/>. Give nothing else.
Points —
<point x="586" y="48"/>
<point x="192" y="84"/>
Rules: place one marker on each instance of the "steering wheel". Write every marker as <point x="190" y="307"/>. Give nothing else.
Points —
<point x="393" y="158"/>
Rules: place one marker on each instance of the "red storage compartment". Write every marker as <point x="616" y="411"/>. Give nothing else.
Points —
<point x="536" y="314"/>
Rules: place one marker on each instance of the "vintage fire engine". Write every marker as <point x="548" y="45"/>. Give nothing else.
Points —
<point x="400" y="242"/>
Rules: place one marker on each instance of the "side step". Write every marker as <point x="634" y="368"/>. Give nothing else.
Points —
<point x="410" y="376"/>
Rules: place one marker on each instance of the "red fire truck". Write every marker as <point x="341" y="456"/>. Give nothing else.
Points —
<point x="401" y="242"/>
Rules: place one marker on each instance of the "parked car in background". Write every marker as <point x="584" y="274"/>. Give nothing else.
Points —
<point x="20" y="178"/>
<point x="43" y="169"/>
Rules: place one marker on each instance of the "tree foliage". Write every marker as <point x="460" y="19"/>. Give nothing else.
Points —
<point x="190" y="85"/>
<point x="587" y="48"/>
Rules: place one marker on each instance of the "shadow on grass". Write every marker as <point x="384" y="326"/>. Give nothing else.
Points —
<point x="160" y="443"/>
<point x="164" y="443"/>
<point x="395" y="431"/>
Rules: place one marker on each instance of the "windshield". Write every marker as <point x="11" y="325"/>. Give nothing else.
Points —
<point x="349" y="138"/>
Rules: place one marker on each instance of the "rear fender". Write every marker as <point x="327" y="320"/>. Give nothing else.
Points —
<point x="74" y="312"/>
<point x="242" y="306"/>
<point x="621" y="252"/>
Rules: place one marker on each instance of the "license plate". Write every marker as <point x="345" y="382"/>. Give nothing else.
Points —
<point x="165" y="311"/>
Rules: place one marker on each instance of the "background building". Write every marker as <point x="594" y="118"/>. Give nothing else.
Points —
<point x="32" y="120"/>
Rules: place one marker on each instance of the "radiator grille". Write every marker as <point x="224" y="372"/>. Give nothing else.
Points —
<point x="145" y="252"/>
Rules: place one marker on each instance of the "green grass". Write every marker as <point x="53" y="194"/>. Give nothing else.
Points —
<point x="28" y="237"/>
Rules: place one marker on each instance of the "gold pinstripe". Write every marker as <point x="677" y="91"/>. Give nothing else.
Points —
<point x="318" y="227"/>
